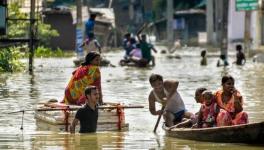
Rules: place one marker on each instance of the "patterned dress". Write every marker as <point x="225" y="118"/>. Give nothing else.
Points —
<point x="81" y="78"/>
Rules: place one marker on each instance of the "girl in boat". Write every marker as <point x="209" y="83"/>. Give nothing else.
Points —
<point x="208" y="111"/>
<point x="230" y="101"/>
<point x="87" y="74"/>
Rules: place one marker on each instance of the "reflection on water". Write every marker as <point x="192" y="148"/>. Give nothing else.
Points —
<point x="127" y="85"/>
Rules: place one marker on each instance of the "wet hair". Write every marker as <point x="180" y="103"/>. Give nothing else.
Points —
<point x="238" y="47"/>
<point x="155" y="77"/>
<point x="90" y="57"/>
<point x="88" y="89"/>
<point x="203" y="53"/>
<point x="225" y="78"/>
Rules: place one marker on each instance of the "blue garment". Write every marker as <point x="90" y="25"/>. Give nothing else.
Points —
<point x="89" y="26"/>
<point x="178" y="116"/>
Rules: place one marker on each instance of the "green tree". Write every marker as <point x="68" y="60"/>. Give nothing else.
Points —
<point x="20" y="28"/>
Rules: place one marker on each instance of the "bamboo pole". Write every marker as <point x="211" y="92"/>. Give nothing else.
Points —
<point x="78" y="107"/>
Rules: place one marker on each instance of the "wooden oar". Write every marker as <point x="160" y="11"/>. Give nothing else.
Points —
<point x="77" y="107"/>
<point x="157" y="123"/>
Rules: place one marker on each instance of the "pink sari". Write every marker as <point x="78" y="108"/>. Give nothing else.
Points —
<point x="224" y="117"/>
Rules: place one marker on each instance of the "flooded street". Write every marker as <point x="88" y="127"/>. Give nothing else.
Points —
<point x="128" y="85"/>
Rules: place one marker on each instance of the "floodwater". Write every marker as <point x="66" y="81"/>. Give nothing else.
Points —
<point x="128" y="85"/>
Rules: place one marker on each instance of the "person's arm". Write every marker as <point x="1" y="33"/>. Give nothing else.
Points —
<point x="139" y="32"/>
<point x="98" y="46"/>
<point x="154" y="49"/>
<point x="244" y="59"/>
<point x="152" y="105"/>
<point x="171" y="86"/>
<point x="73" y="125"/>
<point x="199" y="118"/>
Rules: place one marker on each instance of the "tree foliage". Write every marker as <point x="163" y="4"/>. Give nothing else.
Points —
<point x="20" y="28"/>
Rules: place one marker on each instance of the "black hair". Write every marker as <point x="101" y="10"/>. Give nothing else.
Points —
<point x="225" y="78"/>
<point x="89" y="58"/>
<point x="203" y="53"/>
<point x="92" y="15"/>
<point x="223" y="56"/>
<point x="127" y="34"/>
<point x="238" y="47"/>
<point x="155" y="77"/>
<point x="88" y="89"/>
<point x="200" y="90"/>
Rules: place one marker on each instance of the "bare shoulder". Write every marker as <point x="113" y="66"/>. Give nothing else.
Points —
<point x="170" y="83"/>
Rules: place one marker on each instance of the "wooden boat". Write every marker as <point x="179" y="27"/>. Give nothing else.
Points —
<point x="77" y="61"/>
<point x="57" y="117"/>
<point x="247" y="133"/>
<point x="123" y="62"/>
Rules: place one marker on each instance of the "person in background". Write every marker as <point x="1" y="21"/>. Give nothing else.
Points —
<point x="91" y="44"/>
<point x="230" y="102"/>
<point x="165" y="93"/>
<point x="135" y="55"/>
<point x="129" y="44"/>
<point x="208" y="111"/>
<point x="89" y="25"/>
<point x="240" y="56"/>
<point x="88" y="114"/>
<point x="222" y="61"/>
<point x="146" y="51"/>
<point x="204" y="58"/>
<point x="87" y="74"/>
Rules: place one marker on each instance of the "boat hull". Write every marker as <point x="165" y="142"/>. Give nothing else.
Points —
<point x="248" y="133"/>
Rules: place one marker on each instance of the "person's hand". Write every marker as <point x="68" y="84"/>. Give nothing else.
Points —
<point x="159" y="112"/>
<point x="164" y="101"/>
<point x="72" y="130"/>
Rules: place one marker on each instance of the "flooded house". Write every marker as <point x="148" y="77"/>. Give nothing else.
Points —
<point x="187" y="25"/>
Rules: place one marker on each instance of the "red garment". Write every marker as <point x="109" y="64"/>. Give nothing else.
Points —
<point x="208" y="115"/>
<point x="224" y="117"/>
<point x="81" y="78"/>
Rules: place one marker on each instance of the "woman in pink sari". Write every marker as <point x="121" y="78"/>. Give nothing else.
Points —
<point x="231" y="103"/>
<point x="87" y="74"/>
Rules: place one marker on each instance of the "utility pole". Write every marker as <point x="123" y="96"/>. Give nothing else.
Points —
<point x="209" y="21"/>
<point x="32" y="35"/>
<point x="221" y="24"/>
<point x="170" y="32"/>
<point x="79" y="27"/>
<point x="247" y="31"/>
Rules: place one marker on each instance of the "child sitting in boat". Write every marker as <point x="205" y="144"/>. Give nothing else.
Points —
<point x="208" y="111"/>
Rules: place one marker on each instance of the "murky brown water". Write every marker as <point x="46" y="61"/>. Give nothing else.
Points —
<point x="127" y="85"/>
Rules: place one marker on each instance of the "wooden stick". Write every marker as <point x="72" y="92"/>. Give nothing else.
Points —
<point x="76" y="108"/>
<point x="157" y="123"/>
